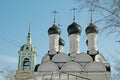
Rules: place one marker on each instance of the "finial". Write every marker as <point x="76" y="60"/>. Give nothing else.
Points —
<point x="91" y="11"/>
<point x="29" y="35"/>
<point x="29" y="26"/>
<point x="74" y="9"/>
<point x="54" y="12"/>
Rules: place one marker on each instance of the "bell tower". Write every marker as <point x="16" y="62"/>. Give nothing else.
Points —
<point x="27" y="60"/>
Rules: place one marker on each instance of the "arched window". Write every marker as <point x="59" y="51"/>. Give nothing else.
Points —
<point x="26" y="64"/>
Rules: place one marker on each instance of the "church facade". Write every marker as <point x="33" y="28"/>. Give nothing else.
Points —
<point x="57" y="65"/>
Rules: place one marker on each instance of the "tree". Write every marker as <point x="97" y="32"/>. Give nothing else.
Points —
<point x="8" y="73"/>
<point x="106" y="11"/>
<point x="116" y="75"/>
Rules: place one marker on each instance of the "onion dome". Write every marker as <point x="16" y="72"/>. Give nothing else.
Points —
<point x="61" y="42"/>
<point x="74" y="28"/>
<point x="27" y="47"/>
<point x="54" y="30"/>
<point x="91" y="29"/>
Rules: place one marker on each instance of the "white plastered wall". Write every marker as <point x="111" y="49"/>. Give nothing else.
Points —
<point x="54" y="42"/>
<point x="92" y="41"/>
<point x="74" y="43"/>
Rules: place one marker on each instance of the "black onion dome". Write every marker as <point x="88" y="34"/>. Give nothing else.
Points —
<point x="74" y="28"/>
<point x="61" y="42"/>
<point x="91" y="29"/>
<point x="54" y="30"/>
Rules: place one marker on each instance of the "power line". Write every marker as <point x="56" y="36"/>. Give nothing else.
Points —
<point x="13" y="42"/>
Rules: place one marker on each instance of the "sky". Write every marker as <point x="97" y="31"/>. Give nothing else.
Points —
<point x="15" y="16"/>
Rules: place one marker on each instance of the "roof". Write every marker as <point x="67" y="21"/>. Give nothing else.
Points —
<point x="54" y="30"/>
<point x="27" y="47"/>
<point x="91" y="29"/>
<point x="74" y="28"/>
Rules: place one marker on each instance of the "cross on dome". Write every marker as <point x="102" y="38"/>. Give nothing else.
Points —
<point x="73" y="9"/>
<point x="91" y="11"/>
<point x="55" y="12"/>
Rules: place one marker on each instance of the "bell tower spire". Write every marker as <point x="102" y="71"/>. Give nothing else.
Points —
<point x="27" y="59"/>
<point x="29" y="39"/>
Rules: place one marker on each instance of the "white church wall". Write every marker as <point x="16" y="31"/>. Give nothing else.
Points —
<point x="73" y="76"/>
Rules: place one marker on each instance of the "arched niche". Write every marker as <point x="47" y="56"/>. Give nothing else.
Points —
<point x="45" y="58"/>
<point x="26" y="64"/>
<point x="48" y="66"/>
<point x="95" y="66"/>
<point x="71" y="67"/>
<point x="99" y="58"/>
<point x="61" y="58"/>
<point x="83" y="58"/>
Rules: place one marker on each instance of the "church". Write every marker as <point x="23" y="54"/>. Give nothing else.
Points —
<point x="57" y="65"/>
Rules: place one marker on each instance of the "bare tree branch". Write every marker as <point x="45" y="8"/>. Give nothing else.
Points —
<point x="108" y="11"/>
